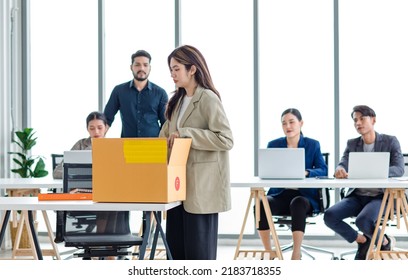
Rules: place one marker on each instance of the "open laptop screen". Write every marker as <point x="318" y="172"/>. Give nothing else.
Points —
<point x="281" y="163"/>
<point x="368" y="165"/>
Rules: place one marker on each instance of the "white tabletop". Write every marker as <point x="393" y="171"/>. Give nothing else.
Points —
<point x="32" y="203"/>
<point x="253" y="182"/>
<point x="30" y="183"/>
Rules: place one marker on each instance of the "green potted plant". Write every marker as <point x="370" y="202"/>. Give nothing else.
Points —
<point x="29" y="166"/>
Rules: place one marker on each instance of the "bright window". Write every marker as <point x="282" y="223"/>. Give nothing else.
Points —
<point x="223" y="33"/>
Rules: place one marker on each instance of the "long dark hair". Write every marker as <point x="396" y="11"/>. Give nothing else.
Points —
<point x="96" y="116"/>
<point x="189" y="56"/>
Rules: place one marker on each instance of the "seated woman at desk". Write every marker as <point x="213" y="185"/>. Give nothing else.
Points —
<point x="297" y="203"/>
<point x="97" y="126"/>
<point x="107" y="221"/>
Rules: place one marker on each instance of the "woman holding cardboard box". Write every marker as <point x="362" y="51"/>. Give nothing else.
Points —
<point x="195" y="111"/>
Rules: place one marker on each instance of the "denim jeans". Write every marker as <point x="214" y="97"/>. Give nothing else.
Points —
<point x="364" y="208"/>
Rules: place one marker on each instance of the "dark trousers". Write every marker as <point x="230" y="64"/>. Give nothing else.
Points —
<point x="364" y="208"/>
<point x="191" y="236"/>
<point x="288" y="203"/>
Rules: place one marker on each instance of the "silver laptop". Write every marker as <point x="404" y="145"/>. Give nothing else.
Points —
<point x="368" y="165"/>
<point x="78" y="156"/>
<point x="281" y="163"/>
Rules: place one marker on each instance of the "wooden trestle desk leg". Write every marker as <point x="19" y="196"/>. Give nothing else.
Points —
<point x="258" y="195"/>
<point x="54" y="251"/>
<point x="24" y="219"/>
<point x="397" y="205"/>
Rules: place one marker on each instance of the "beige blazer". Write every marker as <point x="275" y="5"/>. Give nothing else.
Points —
<point x="208" y="171"/>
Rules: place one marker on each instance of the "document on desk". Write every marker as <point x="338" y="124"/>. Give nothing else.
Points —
<point x="404" y="178"/>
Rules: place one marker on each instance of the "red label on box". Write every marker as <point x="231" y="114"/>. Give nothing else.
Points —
<point x="177" y="183"/>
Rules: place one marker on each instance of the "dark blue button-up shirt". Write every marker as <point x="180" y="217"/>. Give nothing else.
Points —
<point x="142" y="112"/>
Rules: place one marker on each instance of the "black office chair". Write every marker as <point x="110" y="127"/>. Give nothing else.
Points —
<point x="56" y="159"/>
<point x="285" y="221"/>
<point x="406" y="169"/>
<point x="80" y="229"/>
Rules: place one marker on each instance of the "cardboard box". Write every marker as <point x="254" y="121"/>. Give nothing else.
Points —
<point x="139" y="170"/>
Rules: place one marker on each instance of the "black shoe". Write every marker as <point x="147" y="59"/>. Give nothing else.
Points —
<point x="390" y="244"/>
<point x="363" y="249"/>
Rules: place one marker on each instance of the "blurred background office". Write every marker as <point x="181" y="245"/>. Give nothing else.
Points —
<point x="60" y="59"/>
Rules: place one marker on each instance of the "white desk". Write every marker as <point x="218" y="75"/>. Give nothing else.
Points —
<point x="319" y="183"/>
<point x="30" y="204"/>
<point x="30" y="183"/>
<point x="395" y="194"/>
<point x="31" y="186"/>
